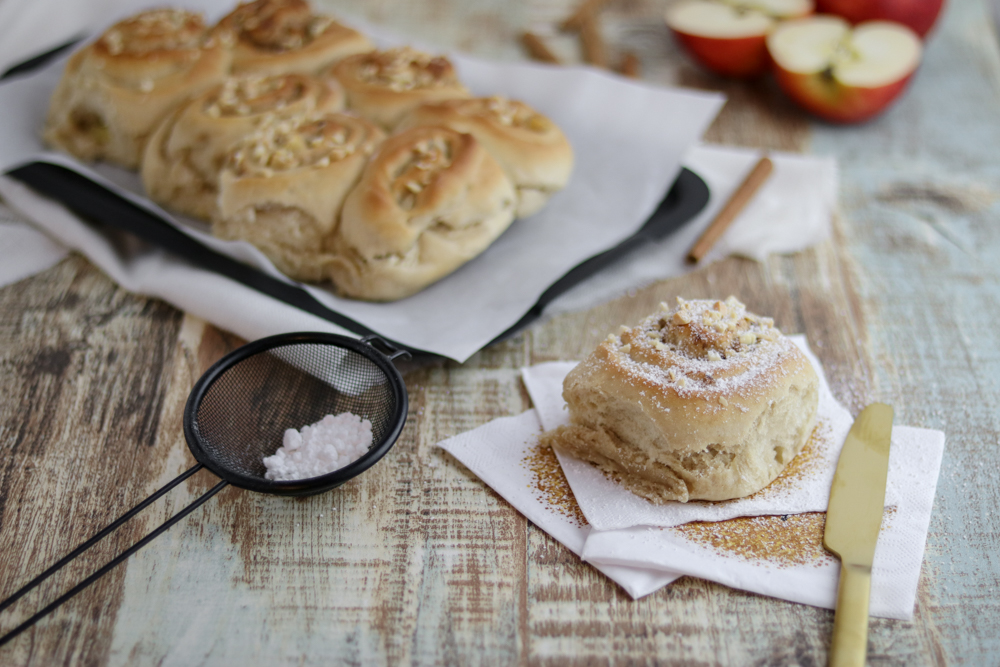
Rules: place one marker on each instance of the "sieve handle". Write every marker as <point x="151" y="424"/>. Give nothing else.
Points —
<point x="118" y="559"/>
<point x="392" y="352"/>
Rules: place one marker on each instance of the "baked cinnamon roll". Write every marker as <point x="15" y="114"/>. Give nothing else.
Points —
<point x="183" y="158"/>
<point x="430" y="200"/>
<point x="532" y="150"/>
<point x="703" y="401"/>
<point x="280" y="36"/>
<point x="115" y="91"/>
<point x="384" y="85"/>
<point x="283" y="187"/>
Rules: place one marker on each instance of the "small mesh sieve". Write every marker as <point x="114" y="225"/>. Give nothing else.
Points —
<point x="239" y="410"/>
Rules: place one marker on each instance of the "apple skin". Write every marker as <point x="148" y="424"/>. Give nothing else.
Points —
<point x="919" y="15"/>
<point x="835" y="102"/>
<point x="739" y="57"/>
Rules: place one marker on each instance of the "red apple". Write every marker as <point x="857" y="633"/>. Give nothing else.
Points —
<point x="917" y="14"/>
<point x="728" y="36"/>
<point x="840" y="73"/>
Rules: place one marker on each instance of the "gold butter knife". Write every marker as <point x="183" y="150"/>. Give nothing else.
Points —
<point x="853" y="520"/>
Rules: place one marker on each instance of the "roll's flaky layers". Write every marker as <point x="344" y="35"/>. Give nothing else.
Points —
<point x="115" y="91"/>
<point x="183" y="158"/>
<point x="702" y="402"/>
<point x="532" y="150"/>
<point x="280" y="36"/>
<point x="284" y="185"/>
<point x="384" y="85"/>
<point x="430" y="200"/>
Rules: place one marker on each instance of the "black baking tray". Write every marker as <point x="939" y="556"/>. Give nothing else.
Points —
<point x="686" y="198"/>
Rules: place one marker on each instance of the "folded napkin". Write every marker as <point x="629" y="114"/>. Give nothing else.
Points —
<point x="804" y="486"/>
<point x="779" y="555"/>
<point x="24" y="250"/>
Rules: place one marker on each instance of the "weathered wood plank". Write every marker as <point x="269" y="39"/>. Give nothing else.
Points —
<point x="417" y="562"/>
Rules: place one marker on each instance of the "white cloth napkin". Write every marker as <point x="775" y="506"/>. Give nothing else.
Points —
<point x="609" y="506"/>
<point x="777" y="555"/>
<point x="24" y="250"/>
<point x="792" y="210"/>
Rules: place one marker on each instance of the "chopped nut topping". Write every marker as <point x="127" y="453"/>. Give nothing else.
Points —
<point x="317" y="141"/>
<point x="406" y="69"/>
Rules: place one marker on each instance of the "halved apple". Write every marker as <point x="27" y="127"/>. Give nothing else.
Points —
<point x="728" y="36"/>
<point x="840" y="73"/>
<point x="919" y="15"/>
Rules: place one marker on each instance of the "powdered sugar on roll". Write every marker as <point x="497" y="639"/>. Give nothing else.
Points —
<point x="703" y="401"/>
<point x="330" y="444"/>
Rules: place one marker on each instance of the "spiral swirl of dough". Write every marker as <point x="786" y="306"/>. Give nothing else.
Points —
<point x="385" y="85"/>
<point x="532" y="149"/>
<point x="183" y="158"/>
<point x="430" y="200"/>
<point x="278" y="36"/>
<point x="284" y="185"/>
<point x="115" y="91"/>
<point x="713" y="347"/>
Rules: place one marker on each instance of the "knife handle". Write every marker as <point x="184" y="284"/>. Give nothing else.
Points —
<point x="850" y="623"/>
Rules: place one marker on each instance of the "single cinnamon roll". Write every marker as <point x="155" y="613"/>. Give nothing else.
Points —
<point x="280" y="36"/>
<point x="532" y="150"/>
<point x="385" y="85"/>
<point x="115" y="91"/>
<point x="430" y="200"/>
<point x="183" y="158"/>
<point x="283" y="187"/>
<point x="704" y="401"/>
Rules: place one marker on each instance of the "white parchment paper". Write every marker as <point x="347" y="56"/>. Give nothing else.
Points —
<point x="629" y="139"/>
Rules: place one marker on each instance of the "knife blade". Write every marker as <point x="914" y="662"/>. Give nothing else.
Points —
<point x="853" y="521"/>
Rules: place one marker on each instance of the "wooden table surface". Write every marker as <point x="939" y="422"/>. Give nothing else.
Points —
<point x="417" y="562"/>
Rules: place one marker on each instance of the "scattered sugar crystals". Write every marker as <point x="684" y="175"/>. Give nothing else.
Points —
<point x="328" y="445"/>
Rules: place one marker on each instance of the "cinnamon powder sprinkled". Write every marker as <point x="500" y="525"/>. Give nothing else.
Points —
<point x="783" y="541"/>
<point x="549" y="485"/>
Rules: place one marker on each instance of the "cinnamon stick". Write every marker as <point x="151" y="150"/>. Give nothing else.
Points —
<point x="591" y="42"/>
<point x="739" y="199"/>
<point x="579" y="15"/>
<point x="537" y="48"/>
<point x="630" y="65"/>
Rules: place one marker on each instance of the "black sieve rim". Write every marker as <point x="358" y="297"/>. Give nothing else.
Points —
<point x="313" y="485"/>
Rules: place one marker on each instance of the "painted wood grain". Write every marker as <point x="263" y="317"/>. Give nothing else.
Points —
<point x="417" y="562"/>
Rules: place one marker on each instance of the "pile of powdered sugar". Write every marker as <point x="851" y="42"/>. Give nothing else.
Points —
<point x="329" y="444"/>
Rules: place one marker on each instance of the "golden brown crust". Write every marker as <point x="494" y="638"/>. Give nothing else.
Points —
<point x="704" y="401"/>
<point x="430" y="200"/>
<point x="280" y="36"/>
<point x="183" y="158"/>
<point x="532" y="150"/>
<point x="385" y="85"/>
<point x="115" y="91"/>
<point x="284" y="185"/>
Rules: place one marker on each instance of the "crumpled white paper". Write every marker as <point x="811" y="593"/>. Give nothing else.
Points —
<point x="804" y="487"/>
<point x="779" y="556"/>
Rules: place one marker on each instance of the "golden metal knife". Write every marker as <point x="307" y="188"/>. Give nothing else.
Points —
<point x="853" y="520"/>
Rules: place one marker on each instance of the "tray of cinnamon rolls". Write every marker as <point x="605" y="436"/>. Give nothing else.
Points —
<point x="373" y="172"/>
